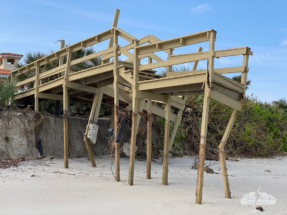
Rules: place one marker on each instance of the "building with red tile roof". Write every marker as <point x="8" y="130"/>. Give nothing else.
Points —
<point x="8" y="62"/>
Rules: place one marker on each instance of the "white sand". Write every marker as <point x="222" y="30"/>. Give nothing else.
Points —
<point x="82" y="189"/>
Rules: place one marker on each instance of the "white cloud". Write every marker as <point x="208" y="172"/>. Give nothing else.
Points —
<point x="283" y="43"/>
<point x="200" y="8"/>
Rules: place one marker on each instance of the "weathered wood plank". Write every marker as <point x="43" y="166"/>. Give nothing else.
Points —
<point x="175" y="42"/>
<point x="225" y="100"/>
<point x="172" y="82"/>
<point x="50" y="96"/>
<point x="26" y="81"/>
<point x="176" y="60"/>
<point x="82" y="87"/>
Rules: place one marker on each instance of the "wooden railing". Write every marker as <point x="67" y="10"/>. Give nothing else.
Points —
<point x="108" y="53"/>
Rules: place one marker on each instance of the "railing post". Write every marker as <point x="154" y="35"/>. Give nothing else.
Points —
<point x="114" y="25"/>
<point x="244" y="74"/>
<point x="36" y="86"/>
<point x="170" y="52"/>
<point x="212" y="35"/>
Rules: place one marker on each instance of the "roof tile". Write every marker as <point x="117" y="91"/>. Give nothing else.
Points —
<point x="11" y="54"/>
<point x="5" y="71"/>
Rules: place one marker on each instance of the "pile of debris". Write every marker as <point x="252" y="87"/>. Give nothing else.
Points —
<point x="10" y="162"/>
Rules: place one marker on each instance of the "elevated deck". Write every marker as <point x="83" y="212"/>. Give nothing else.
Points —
<point x="136" y="87"/>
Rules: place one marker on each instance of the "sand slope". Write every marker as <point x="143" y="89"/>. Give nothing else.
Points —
<point x="82" y="189"/>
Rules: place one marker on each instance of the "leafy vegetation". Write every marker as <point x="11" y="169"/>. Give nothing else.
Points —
<point x="259" y="130"/>
<point x="7" y="92"/>
<point x="282" y="104"/>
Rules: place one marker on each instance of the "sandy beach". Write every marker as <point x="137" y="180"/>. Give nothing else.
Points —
<point x="45" y="187"/>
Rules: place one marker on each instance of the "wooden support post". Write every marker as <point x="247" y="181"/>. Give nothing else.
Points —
<point x="203" y="135"/>
<point x="98" y="107"/>
<point x="66" y="126"/>
<point x="138" y="116"/>
<point x="149" y="139"/>
<point x="134" y="116"/>
<point x="66" y="110"/>
<point x="212" y="35"/>
<point x="87" y="142"/>
<point x="222" y="153"/>
<point x="166" y="140"/>
<point x="89" y="148"/>
<point x="36" y="86"/>
<point x="175" y="127"/>
<point x="116" y="108"/>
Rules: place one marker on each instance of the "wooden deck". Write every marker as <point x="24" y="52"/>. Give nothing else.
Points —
<point x="139" y="88"/>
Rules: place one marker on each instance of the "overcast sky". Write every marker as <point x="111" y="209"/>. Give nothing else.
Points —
<point x="32" y="25"/>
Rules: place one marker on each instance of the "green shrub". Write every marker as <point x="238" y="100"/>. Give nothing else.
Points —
<point x="7" y="92"/>
<point x="259" y="130"/>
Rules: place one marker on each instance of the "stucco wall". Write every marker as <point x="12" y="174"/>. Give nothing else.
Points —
<point x="7" y="66"/>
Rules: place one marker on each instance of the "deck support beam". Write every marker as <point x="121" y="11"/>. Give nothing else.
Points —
<point x="166" y="140"/>
<point x="66" y="126"/>
<point x="175" y="127"/>
<point x="134" y="114"/>
<point x="98" y="107"/>
<point x="66" y="110"/>
<point x="141" y="107"/>
<point x="87" y="142"/>
<point x="116" y="107"/>
<point x="203" y="135"/>
<point x="222" y="153"/>
<point x="149" y="139"/>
